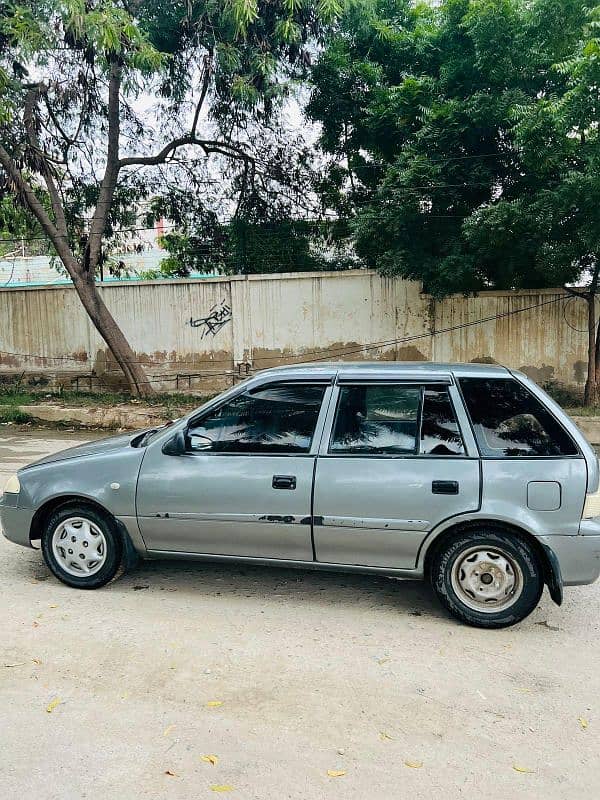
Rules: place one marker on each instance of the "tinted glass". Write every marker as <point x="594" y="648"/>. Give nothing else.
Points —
<point x="276" y="419"/>
<point x="440" y="434"/>
<point x="380" y="420"/>
<point x="509" y="421"/>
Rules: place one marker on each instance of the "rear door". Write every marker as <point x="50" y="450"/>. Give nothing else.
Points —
<point x="392" y="466"/>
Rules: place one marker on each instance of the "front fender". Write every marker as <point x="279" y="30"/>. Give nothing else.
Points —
<point x="108" y="479"/>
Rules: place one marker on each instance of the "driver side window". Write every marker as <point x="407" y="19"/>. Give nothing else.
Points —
<point x="279" y="418"/>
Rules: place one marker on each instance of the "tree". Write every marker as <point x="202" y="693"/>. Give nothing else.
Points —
<point x="464" y="143"/>
<point x="18" y="230"/>
<point x="104" y="103"/>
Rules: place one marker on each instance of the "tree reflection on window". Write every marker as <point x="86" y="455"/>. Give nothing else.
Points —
<point x="377" y="420"/>
<point x="440" y="434"/>
<point x="509" y="421"/>
<point x="276" y="419"/>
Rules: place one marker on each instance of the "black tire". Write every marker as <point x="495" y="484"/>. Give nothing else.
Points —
<point x="113" y="550"/>
<point x="447" y="577"/>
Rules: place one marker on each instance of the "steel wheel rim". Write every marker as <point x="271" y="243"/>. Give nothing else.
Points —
<point x="79" y="547"/>
<point x="487" y="579"/>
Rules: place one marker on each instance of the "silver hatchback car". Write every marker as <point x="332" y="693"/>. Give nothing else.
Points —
<point x="467" y="475"/>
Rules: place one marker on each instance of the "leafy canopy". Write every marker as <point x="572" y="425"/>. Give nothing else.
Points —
<point x="464" y="139"/>
<point x="197" y="82"/>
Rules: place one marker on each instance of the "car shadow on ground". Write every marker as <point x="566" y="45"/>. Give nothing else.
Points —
<point x="286" y="585"/>
<point x="264" y="584"/>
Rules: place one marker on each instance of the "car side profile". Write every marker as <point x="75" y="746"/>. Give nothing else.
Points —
<point x="469" y="476"/>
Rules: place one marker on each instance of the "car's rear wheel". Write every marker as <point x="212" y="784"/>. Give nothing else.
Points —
<point x="82" y="546"/>
<point x="487" y="578"/>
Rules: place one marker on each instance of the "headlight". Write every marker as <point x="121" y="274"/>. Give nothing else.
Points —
<point x="12" y="485"/>
<point x="591" y="507"/>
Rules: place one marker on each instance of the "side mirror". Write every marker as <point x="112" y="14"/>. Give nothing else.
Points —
<point x="176" y="446"/>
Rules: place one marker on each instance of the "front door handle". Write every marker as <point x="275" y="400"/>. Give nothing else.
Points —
<point x="444" y="487"/>
<point x="284" y="482"/>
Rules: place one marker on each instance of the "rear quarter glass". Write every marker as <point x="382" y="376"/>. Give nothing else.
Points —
<point x="509" y="421"/>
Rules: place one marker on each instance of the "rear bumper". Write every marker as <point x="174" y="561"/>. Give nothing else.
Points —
<point x="578" y="556"/>
<point x="16" y="524"/>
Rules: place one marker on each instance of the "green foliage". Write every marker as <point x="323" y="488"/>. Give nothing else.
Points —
<point x="242" y="247"/>
<point x="464" y="139"/>
<point x="236" y="58"/>
<point x="17" y="228"/>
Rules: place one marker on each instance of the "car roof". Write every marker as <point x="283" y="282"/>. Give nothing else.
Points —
<point x="402" y="370"/>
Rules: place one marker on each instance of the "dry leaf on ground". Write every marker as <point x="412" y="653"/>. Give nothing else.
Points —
<point x="413" y="764"/>
<point x="210" y="759"/>
<point x="526" y="770"/>
<point x="221" y="787"/>
<point x="214" y="703"/>
<point x="336" y="773"/>
<point x="52" y="704"/>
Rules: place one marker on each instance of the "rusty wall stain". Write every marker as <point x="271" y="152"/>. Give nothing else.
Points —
<point x="410" y="353"/>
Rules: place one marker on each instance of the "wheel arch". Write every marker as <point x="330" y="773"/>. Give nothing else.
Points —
<point x="546" y="556"/>
<point x="130" y="554"/>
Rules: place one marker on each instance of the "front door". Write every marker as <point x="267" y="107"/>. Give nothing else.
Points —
<point x="244" y="486"/>
<point x="393" y="467"/>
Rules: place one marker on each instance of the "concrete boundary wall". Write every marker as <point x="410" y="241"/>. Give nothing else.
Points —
<point x="205" y="334"/>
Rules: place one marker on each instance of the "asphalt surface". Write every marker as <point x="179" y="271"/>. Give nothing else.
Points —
<point x="283" y="676"/>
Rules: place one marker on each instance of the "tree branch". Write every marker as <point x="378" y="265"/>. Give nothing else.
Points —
<point x="111" y="172"/>
<point x="32" y="136"/>
<point x="206" y="74"/>
<point x="208" y="145"/>
<point x="24" y="190"/>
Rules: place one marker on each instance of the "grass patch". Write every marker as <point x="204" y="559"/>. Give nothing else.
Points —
<point x="584" y="411"/>
<point x="12" y="396"/>
<point x="14" y="415"/>
<point x="565" y="396"/>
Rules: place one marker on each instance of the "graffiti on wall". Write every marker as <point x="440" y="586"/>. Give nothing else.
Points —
<point x="218" y="316"/>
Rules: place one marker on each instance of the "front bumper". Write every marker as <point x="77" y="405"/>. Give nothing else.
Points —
<point x="16" y="523"/>
<point x="578" y="556"/>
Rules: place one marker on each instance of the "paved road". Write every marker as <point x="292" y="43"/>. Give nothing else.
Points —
<point x="313" y="672"/>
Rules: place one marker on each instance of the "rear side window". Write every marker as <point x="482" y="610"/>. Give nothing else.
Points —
<point x="377" y="420"/>
<point x="509" y="421"/>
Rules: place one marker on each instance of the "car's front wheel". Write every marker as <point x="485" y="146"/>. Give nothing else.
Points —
<point x="487" y="578"/>
<point x="82" y="546"/>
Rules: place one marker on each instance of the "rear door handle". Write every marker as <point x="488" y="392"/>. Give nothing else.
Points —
<point x="444" y="487"/>
<point x="284" y="482"/>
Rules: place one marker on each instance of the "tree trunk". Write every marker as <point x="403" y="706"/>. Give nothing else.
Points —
<point x="83" y="279"/>
<point x="108" y="328"/>
<point x="589" y="397"/>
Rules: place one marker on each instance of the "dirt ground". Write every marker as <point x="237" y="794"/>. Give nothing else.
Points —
<point x="283" y="676"/>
